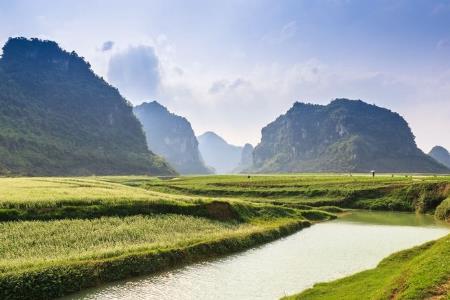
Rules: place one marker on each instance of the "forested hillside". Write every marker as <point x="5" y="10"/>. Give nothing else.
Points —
<point x="343" y="136"/>
<point x="58" y="118"/>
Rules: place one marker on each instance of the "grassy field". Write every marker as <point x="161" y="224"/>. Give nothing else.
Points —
<point x="33" y="243"/>
<point x="59" y="235"/>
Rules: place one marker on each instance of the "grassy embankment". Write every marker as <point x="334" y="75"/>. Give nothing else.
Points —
<point x="59" y="235"/>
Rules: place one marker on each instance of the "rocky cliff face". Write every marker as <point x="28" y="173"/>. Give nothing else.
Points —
<point x="58" y="118"/>
<point x="440" y="154"/>
<point x="343" y="136"/>
<point x="217" y="153"/>
<point x="172" y="137"/>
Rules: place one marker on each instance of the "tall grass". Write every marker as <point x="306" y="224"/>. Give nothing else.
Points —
<point x="443" y="210"/>
<point x="45" y="192"/>
<point x="30" y="243"/>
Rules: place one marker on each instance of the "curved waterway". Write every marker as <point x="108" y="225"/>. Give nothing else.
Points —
<point x="323" y="252"/>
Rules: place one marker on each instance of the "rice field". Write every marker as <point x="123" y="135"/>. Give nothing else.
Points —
<point x="401" y="192"/>
<point x="32" y="243"/>
<point x="45" y="192"/>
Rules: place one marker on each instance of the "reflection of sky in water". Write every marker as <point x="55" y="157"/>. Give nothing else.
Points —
<point x="391" y="218"/>
<point x="322" y="252"/>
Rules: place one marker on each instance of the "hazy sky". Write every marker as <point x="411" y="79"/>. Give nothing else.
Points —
<point x="234" y="66"/>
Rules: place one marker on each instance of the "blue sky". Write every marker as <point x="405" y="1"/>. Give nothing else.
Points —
<point x="234" y="66"/>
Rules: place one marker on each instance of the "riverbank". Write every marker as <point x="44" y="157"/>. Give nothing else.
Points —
<point x="422" y="272"/>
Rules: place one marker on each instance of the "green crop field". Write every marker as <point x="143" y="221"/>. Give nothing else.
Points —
<point x="60" y="235"/>
<point x="31" y="243"/>
<point x="384" y="192"/>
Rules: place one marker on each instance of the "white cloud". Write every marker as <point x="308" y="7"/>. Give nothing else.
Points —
<point x="135" y="72"/>
<point x="240" y="105"/>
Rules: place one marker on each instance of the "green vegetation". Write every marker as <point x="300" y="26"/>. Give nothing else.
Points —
<point x="384" y="192"/>
<point x="443" y="210"/>
<point x="59" y="277"/>
<point x="58" y="118"/>
<point x="90" y="197"/>
<point x="59" y="235"/>
<point x="33" y="243"/>
<point x="419" y="273"/>
<point x="343" y="136"/>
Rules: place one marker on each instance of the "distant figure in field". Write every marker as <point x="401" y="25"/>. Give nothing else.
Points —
<point x="373" y="173"/>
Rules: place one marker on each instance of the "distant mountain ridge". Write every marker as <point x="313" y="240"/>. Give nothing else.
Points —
<point x="172" y="137"/>
<point x="343" y="136"/>
<point x="441" y="154"/>
<point x="217" y="153"/>
<point x="58" y="118"/>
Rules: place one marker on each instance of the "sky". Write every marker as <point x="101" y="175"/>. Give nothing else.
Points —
<point x="233" y="66"/>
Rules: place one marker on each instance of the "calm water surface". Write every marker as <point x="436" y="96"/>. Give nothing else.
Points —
<point x="323" y="252"/>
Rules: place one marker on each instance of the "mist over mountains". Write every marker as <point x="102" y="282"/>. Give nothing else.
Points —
<point x="217" y="153"/>
<point x="246" y="162"/>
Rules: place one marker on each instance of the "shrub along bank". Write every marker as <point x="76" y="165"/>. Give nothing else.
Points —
<point x="443" y="210"/>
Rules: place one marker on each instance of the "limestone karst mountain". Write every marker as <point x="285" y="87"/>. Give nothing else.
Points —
<point x="343" y="136"/>
<point x="172" y="137"/>
<point x="59" y="118"/>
